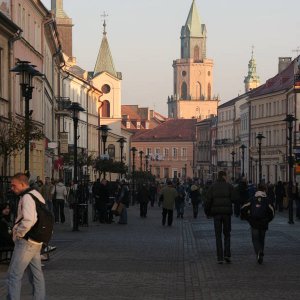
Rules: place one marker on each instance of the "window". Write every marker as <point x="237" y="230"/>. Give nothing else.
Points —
<point x="209" y="91"/>
<point x="183" y="153"/>
<point x="148" y="151"/>
<point x="138" y="125"/>
<point x="157" y="172"/>
<point x="106" y="109"/>
<point x="166" y="173"/>
<point x="183" y="91"/>
<point x="196" y="53"/>
<point x="166" y="153"/>
<point x="127" y="124"/>
<point x="174" y="153"/>
<point x="111" y="151"/>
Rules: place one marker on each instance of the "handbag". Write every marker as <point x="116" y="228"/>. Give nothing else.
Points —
<point x="114" y="208"/>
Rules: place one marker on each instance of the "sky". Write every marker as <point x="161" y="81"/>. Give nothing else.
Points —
<point x="144" y="39"/>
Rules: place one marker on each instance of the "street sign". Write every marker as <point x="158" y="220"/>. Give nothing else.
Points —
<point x="64" y="142"/>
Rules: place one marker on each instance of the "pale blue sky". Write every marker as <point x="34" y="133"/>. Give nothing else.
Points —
<point x="144" y="37"/>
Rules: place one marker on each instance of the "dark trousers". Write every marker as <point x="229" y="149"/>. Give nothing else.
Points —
<point x="59" y="205"/>
<point x="222" y="223"/>
<point x="168" y="212"/>
<point x="195" y="209"/>
<point x="258" y="239"/>
<point x="143" y="209"/>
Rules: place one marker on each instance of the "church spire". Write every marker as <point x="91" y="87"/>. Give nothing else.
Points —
<point x="57" y="8"/>
<point x="193" y="22"/>
<point x="252" y="79"/>
<point x="104" y="61"/>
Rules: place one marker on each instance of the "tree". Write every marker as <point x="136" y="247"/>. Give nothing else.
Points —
<point x="109" y="166"/>
<point x="12" y="138"/>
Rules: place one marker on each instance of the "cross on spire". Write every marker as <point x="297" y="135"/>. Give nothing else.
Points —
<point x="297" y="50"/>
<point x="104" y="23"/>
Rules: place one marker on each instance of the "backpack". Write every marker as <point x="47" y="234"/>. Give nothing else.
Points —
<point x="42" y="230"/>
<point x="259" y="207"/>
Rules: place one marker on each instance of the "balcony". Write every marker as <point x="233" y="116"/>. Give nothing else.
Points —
<point x="220" y="142"/>
<point x="222" y="164"/>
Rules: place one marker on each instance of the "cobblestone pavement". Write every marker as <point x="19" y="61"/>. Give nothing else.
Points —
<point x="144" y="260"/>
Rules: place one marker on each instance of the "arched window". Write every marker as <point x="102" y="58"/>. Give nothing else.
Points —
<point x="209" y="92"/>
<point x="196" y="53"/>
<point x="183" y="91"/>
<point x="106" y="109"/>
<point x="199" y="91"/>
<point x="111" y="151"/>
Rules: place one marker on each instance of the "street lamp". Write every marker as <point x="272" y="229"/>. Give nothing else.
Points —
<point x="133" y="150"/>
<point x="26" y="71"/>
<point x="121" y="141"/>
<point x="141" y="160"/>
<point x="185" y="169"/>
<point x="243" y="147"/>
<point x="259" y="137"/>
<point x="104" y="133"/>
<point x="290" y="119"/>
<point x="233" y="154"/>
<point x="75" y="108"/>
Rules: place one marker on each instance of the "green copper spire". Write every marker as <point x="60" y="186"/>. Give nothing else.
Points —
<point x="193" y="21"/>
<point x="104" y="60"/>
<point x="252" y="79"/>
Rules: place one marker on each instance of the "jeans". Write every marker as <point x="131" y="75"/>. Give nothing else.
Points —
<point x="59" y="206"/>
<point x="26" y="256"/>
<point x="258" y="239"/>
<point x="168" y="212"/>
<point x="143" y="209"/>
<point x="195" y="209"/>
<point x="222" y="223"/>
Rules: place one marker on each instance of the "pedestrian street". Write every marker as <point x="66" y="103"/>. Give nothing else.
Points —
<point x="144" y="260"/>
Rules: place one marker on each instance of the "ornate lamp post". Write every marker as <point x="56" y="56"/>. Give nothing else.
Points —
<point x="75" y="108"/>
<point x="121" y="141"/>
<point x="243" y="147"/>
<point x="259" y="138"/>
<point x="26" y="71"/>
<point x="141" y="160"/>
<point x="185" y="169"/>
<point x="290" y="119"/>
<point x="133" y="150"/>
<point x="233" y="154"/>
<point x="104" y="133"/>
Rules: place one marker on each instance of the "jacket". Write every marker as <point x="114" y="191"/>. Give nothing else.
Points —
<point x="169" y="195"/>
<point x="258" y="223"/>
<point x="219" y="199"/>
<point x="60" y="190"/>
<point x="27" y="215"/>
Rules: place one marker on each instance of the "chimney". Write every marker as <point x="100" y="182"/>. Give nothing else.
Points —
<point x="283" y="63"/>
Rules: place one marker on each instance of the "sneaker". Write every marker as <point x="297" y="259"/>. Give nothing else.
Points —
<point x="49" y="249"/>
<point x="227" y="259"/>
<point x="260" y="257"/>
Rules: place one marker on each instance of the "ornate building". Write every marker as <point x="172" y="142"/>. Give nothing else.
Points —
<point x="252" y="79"/>
<point x="193" y="74"/>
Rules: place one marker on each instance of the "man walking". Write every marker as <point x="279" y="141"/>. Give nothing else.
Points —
<point x="168" y="194"/>
<point x="218" y="204"/>
<point x="26" y="253"/>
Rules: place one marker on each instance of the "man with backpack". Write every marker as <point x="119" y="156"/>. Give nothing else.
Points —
<point x="28" y="239"/>
<point x="259" y="212"/>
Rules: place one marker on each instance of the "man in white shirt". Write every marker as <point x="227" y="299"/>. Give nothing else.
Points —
<point x="26" y="253"/>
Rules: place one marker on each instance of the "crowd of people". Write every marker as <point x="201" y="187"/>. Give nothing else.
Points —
<point x="220" y="199"/>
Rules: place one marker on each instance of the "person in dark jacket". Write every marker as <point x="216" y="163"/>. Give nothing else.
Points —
<point x="6" y="226"/>
<point x="195" y="199"/>
<point x="218" y="204"/>
<point x="143" y="196"/>
<point x="259" y="225"/>
<point x="279" y="193"/>
<point x="101" y="195"/>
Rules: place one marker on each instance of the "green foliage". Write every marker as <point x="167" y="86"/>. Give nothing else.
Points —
<point x="12" y="136"/>
<point x="110" y="166"/>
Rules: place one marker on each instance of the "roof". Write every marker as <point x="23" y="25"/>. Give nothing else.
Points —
<point x="131" y="111"/>
<point x="174" y="130"/>
<point x="234" y="100"/>
<point x="104" y="60"/>
<point x="282" y="81"/>
<point x="193" y="21"/>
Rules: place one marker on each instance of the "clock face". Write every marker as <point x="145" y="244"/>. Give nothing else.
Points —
<point x="183" y="73"/>
<point x="105" y="89"/>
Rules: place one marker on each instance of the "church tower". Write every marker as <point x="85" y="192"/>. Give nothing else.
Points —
<point x="252" y="79"/>
<point x="193" y="73"/>
<point x="64" y="26"/>
<point x="108" y="80"/>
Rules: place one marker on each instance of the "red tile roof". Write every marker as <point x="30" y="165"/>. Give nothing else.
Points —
<point x="282" y="81"/>
<point x="130" y="111"/>
<point x="171" y="130"/>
